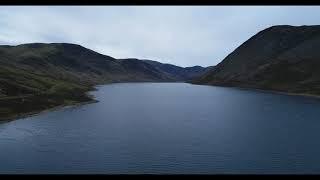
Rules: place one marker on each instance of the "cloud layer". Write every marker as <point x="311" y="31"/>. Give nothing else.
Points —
<point x="185" y="35"/>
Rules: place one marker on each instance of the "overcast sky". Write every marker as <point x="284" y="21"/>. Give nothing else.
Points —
<point x="181" y="35"/>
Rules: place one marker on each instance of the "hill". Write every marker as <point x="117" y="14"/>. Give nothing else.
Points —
<point x="280" y="58"/>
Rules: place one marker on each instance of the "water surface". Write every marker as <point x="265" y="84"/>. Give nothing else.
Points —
<point x="168" y="128"/>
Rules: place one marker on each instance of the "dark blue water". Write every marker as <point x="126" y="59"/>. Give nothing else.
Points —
<point x="168" y="128"/>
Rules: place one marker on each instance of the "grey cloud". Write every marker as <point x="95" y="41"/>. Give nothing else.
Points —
<point x="184" y="36"/>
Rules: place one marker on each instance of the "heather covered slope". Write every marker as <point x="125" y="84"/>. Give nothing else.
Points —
<point x="282" y="58"/>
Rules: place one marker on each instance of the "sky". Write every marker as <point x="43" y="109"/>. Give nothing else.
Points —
<point x="180" y="35"/>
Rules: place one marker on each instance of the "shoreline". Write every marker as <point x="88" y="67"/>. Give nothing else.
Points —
<point x="284" y="93"/>
<point x="55" y="108"/>
<point x="265" y="91"/>
<point x="34" y="113"/>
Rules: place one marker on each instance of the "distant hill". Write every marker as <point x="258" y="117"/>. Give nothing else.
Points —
<point x="282" y="58"/>
<point x="176" y="72"/>
<point x="38" y="76"/>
